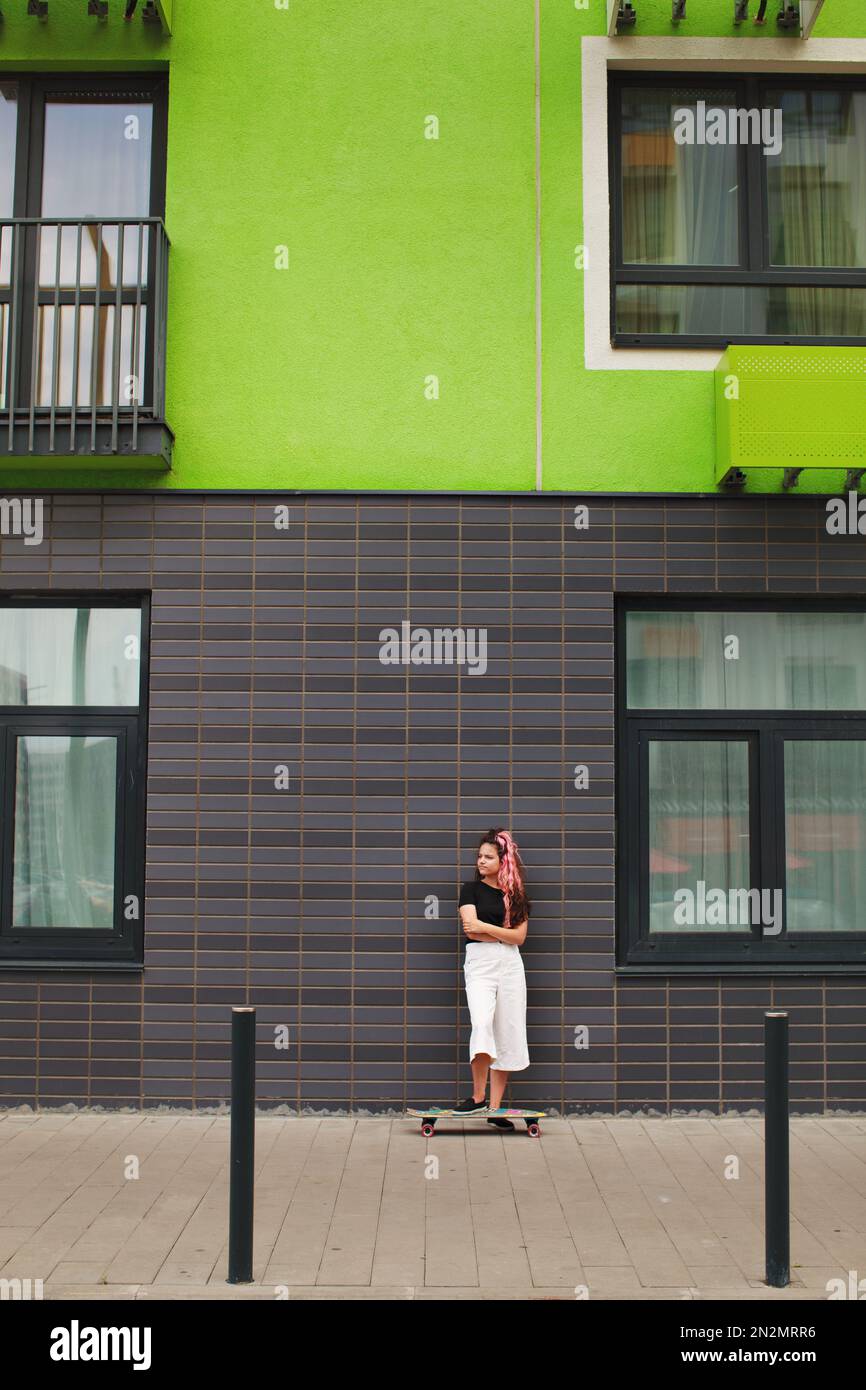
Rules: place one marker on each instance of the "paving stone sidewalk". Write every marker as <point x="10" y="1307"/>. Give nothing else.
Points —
<point x="625" y="1207"/>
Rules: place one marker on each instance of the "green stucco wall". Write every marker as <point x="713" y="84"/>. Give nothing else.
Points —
<point x="408" y="257"/>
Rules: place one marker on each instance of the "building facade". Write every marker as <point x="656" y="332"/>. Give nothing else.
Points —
<point x="415" y="419"/>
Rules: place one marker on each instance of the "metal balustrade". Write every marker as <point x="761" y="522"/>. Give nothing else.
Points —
<point x="83" y="313"/>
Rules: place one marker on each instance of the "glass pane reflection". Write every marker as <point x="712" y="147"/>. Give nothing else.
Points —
<point x="816" y="184"/>
<point x="736" y="311"/>
<point x="96" y="158"/>
<point x="680" y="202"/>
<point x="793" y="661"/>
<point x="825" y="835"/>
<point x="70" y="656"/>
<point x="99" y="354"/>
<point x="89" y="256"/>
<point x="8" y="133"/>
<point x="65" y="814"/>
<point x="698" y="834"/>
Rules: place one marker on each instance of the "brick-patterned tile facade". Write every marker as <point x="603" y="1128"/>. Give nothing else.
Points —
<point x="315" y="902"/>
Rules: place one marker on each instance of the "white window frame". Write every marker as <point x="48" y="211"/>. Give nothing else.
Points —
<point x="717" y="55"/>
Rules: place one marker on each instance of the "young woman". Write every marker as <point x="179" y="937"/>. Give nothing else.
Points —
<point x="494" y="911"/>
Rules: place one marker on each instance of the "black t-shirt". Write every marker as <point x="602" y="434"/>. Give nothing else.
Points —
<point x="488" y="902"/>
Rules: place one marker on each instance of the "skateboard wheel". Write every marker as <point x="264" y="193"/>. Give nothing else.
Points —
<point x="534" y="1131"/>
<point x="427" y="1130"/>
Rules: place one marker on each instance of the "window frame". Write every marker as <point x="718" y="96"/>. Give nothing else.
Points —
<point x="34" y="90"/>
<point x="67" y="947"/>
<point x="753" y="240"/>
<point x="725" y="951"/>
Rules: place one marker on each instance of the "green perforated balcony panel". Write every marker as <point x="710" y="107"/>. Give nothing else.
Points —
<point x="789" y="409"/>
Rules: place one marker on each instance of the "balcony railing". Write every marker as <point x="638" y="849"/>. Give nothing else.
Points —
<point x="83" y="309"/>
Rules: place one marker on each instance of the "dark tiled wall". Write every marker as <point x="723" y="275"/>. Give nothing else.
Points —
<point x="311" y="902"/>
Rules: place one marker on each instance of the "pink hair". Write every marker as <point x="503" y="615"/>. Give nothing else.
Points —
<point x="510" y="877"/>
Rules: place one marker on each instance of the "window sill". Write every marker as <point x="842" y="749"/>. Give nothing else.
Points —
<point x="624" y="342"/>
<point x="112" y="966"/>
<point x="729" y="968"/>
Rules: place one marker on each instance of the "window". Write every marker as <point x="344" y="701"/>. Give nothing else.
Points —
<point x="739" y="210"/>
<point x="84" y="160"/>
<point x="742" y="784"/>
<point x="72" y="769"/>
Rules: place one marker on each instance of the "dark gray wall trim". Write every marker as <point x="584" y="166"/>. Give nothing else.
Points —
<point x="310" y="902"/>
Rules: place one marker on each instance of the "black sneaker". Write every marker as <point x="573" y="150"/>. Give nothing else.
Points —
<point x="500" y="1123"/>
<point x="471" y="1106"/>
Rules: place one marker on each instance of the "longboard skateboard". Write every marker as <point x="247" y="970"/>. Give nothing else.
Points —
<point x="435" y="1112"/>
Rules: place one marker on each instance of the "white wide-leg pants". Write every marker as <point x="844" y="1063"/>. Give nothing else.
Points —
<point x="496" y="994"/>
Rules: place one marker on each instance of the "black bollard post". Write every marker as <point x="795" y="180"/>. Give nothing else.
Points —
<point x="242" y="1146"/>
<point x="777" y="1215"/>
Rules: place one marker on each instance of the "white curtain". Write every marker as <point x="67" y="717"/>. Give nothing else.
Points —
<point x="705" y="205"/>
<point x="69" y="656"/>
<point x="817" y="209"/>
<point x="747" y="660"/>
<point x="825" y="834"/>
<point x="65" y="795"/>
<point x="699" y="788"/>
<point x="698" y="830"/>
